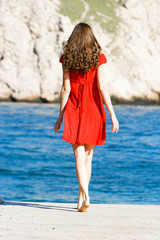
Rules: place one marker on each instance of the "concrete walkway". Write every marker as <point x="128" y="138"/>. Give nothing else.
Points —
<point x="58" y="221"/>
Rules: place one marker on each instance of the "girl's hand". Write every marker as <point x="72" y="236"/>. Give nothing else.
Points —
<point x="58" y="125"/>
<point x="115" y="123"/>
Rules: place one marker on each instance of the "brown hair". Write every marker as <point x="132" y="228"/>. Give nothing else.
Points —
<point x="82" y="50"/>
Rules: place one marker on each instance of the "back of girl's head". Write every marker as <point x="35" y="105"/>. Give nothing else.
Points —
<point x="81" y="52"/>
<point x="82" y="38"/>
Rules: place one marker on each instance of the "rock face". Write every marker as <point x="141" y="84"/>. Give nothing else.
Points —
<point x="133" y="71"/>
<point x="31" y="43"/>
<point x="33" y="33"/>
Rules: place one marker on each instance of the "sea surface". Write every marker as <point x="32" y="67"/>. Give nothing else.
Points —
<point x="37" y="165"/>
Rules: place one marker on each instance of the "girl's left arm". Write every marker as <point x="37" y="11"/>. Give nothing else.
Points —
<point x="65" y="92"/>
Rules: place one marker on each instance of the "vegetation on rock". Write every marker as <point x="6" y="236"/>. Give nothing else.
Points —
<point x="101" y="11"/>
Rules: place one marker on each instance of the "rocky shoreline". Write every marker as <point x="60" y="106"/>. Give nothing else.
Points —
<point x="115" y="101"/>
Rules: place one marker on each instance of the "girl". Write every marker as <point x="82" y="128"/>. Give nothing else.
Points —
<point x="81" y="99"/>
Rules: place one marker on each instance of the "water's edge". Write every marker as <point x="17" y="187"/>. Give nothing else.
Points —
<point x="115" y="101"/>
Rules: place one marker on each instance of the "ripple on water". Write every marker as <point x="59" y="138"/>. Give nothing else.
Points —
<point x="37" y="165"/>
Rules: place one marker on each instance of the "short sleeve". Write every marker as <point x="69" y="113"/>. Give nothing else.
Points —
<point x="61" y="59"/>
<point x="102" y="59"/>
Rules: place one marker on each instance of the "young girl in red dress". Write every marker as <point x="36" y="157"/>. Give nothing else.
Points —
<point x="82" y="92"/>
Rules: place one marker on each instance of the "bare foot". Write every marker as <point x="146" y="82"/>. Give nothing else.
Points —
<point x="80" y="200"/>
<point x="84" y="207"/>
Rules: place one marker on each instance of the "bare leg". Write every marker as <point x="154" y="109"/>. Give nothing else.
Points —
<point x="89" y="149"/>
<point x="81" y="194"/>
<point x="81" y="198"/>
<point x="83" y="156"/>
<point x="81" y="171"/>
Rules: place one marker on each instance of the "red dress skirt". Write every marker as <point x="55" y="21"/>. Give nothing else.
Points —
<point x="85" y="118"/>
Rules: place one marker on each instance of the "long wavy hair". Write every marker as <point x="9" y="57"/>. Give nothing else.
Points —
<point x="82" y="50"/>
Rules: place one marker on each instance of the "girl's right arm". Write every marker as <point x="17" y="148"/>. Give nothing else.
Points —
<point x="106" y="97"/>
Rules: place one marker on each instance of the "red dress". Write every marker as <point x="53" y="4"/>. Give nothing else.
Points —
<point x="85" y="118"/>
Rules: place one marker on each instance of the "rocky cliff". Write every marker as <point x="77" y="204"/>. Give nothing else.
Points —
<point x="33" y="32"/>
<point x="134" y="72"/>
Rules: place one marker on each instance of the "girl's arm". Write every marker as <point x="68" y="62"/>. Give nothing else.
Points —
<point x="65" y="91"/>
<point x="106" y="97"/>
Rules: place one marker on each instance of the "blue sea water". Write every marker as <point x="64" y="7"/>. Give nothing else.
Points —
<point x="37" y="165"/>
